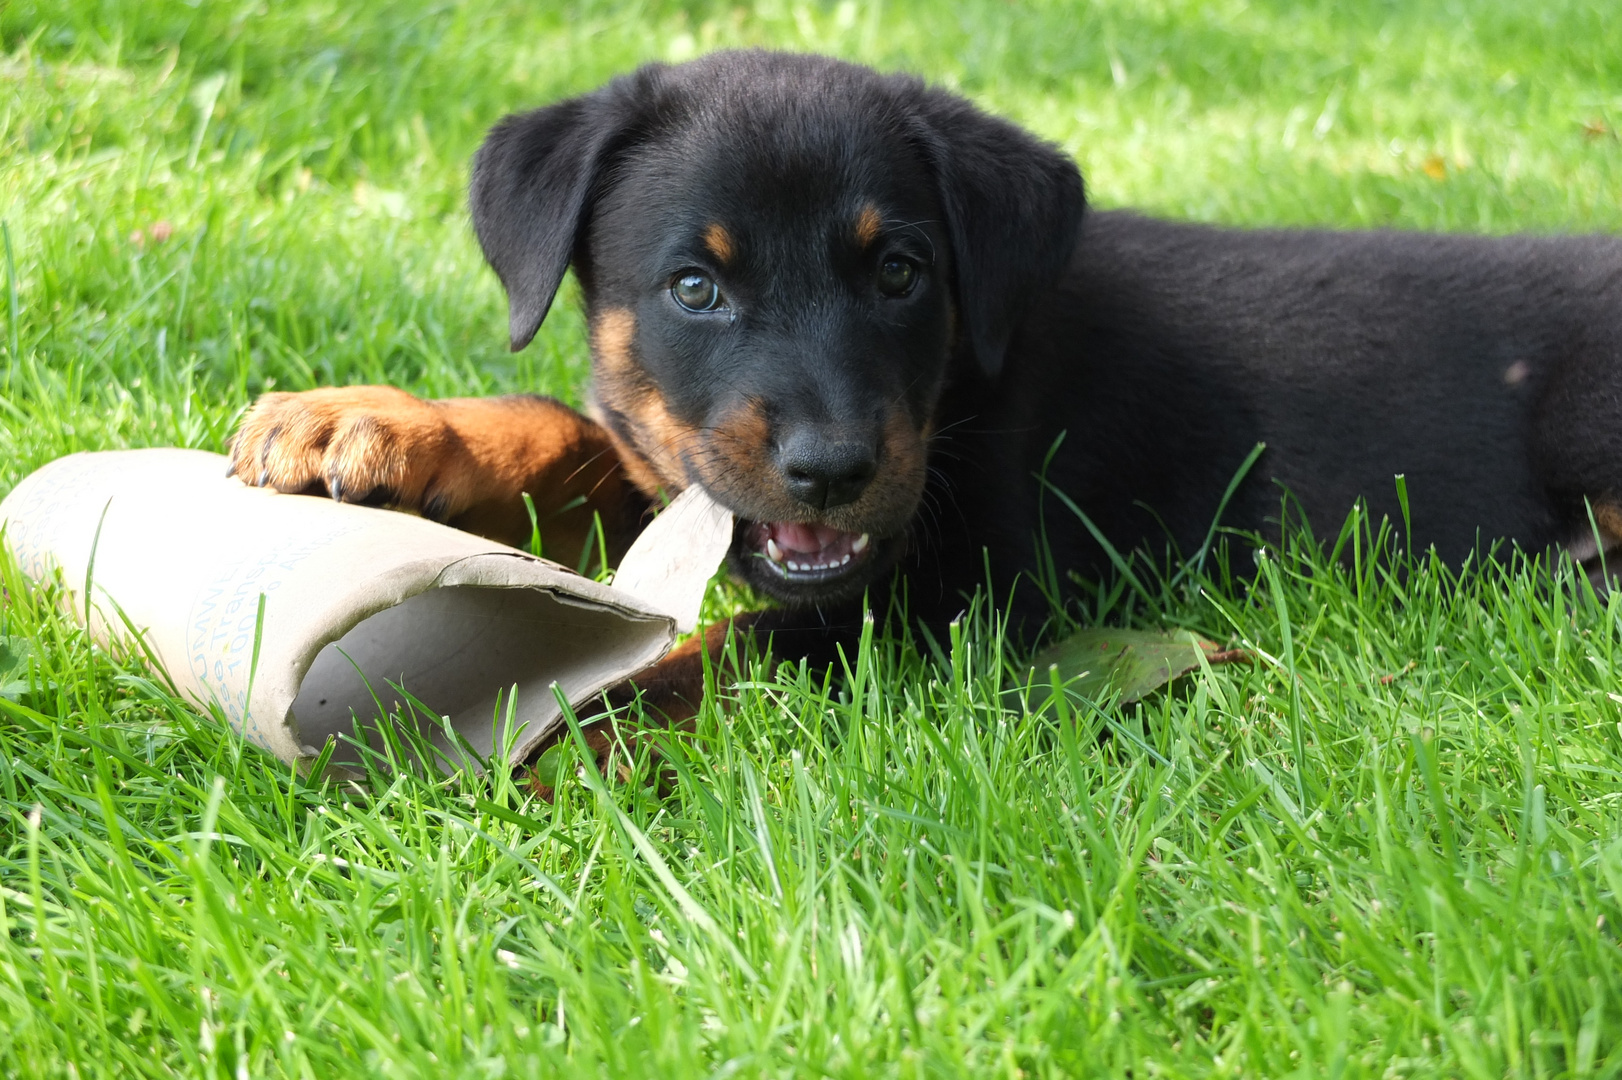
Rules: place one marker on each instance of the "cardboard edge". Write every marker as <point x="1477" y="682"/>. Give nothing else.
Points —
<point x="628" y="606"/>
<point x="469" y="571"/>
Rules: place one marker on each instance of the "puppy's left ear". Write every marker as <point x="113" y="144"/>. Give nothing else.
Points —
<point x="532" y="187"/>
<point x="1013" y="210"/>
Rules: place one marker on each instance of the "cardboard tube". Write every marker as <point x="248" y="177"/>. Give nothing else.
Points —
<point x="356" y="602"/>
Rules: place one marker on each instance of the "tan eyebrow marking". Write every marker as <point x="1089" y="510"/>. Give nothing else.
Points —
<point x="868" y="223"/>
<point x="719" y="241"/>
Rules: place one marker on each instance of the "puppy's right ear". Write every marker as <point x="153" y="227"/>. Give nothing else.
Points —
<point x="533" y="182"/>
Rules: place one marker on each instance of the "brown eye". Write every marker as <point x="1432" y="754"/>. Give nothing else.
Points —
<point x="897" y="276"/>
<point x="696" y="292"/>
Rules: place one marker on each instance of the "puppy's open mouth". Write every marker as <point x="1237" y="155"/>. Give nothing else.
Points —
<point x="804" y="552"/>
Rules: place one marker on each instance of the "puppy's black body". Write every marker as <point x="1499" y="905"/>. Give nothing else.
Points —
<point x="1487" y="371"/>
<point x="860" y="312"/>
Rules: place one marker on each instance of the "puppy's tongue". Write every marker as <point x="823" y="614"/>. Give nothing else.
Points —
<point x="803" y="545"/>
<point x="804" y="538"/>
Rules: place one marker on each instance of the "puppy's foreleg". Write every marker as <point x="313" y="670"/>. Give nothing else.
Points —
<point x="467" y="462"/>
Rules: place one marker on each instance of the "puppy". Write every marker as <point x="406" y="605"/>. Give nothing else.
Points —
<point x="881" y="326"/>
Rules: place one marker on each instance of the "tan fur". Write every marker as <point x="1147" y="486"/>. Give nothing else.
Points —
<point x="719" y="242"/>
<point x="613" y="334"/>
<point x="466" y="460"/>
<point x="868" y="224"/>
<point x="904" y="467"/>
<point x="1608" y="516"/>
<point x="618" y="380"/>
<point x="738" y="451"/>
<point x="654" y="460"/>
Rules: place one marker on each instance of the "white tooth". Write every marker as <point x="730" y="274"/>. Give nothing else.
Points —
<point x="773" y="552"/>
<point x="844" y="560"/>
<point x="792" y="565"/>
<point x="859" y="545"/>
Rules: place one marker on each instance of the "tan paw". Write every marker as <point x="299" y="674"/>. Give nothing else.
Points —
<point x="364" y="444"/>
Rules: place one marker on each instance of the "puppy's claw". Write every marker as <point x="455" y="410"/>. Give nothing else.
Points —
<point x="335" y="487"/>
<point x="264" y="456"/>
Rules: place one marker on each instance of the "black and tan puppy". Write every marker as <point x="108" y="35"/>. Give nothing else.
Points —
<point x="860" y="312"/>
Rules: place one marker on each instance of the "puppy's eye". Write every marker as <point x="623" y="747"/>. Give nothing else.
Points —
<point x="696" y="291"/>
<point x="897" y="276"/>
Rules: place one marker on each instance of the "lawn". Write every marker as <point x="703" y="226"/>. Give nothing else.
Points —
<point x="1391" y="847"/>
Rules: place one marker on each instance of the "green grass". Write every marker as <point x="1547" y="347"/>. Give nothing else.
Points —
<point x="1390" y="848"/>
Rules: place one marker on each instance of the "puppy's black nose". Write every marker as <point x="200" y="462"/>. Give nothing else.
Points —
<point x="824" y="472"/>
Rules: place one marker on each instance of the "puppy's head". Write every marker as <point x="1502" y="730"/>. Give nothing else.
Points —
<point x="785" y="258"/>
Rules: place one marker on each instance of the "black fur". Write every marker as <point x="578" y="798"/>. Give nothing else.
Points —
<point x="1487" y="371"/>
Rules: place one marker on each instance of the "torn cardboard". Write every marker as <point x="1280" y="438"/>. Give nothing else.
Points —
<point x="358" y="603"/>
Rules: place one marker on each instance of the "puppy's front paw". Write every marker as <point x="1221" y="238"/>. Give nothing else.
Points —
<point x="364" y="444"/>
